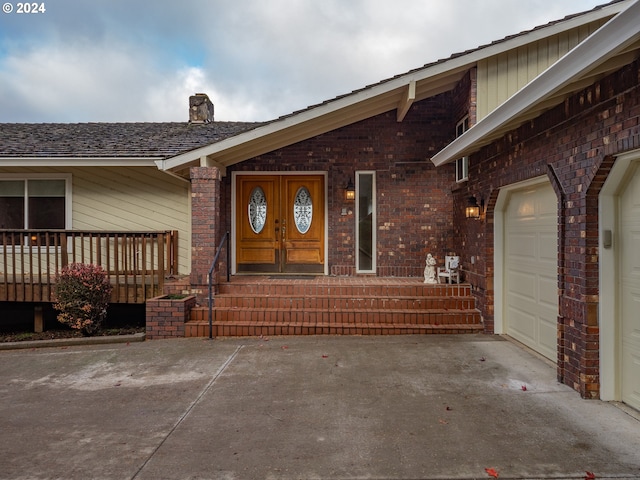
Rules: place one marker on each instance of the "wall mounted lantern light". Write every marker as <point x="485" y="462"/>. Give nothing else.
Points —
<point x="350" y="191"/>
<point x="474" y="210"/>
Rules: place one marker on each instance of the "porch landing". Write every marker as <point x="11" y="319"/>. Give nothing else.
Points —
<point x="257" y="305"/>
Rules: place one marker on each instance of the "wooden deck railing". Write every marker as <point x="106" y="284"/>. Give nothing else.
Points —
<point x="136" y="262"/>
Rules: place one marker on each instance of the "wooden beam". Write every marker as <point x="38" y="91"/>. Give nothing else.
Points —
<point x="206" y="161"/>
<point x="407" y="100"/>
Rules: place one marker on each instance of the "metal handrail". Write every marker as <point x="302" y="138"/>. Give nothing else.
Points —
<point x="211" y="269"/>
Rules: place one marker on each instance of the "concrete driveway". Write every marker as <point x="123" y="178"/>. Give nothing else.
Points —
<point x="427" y="407"/>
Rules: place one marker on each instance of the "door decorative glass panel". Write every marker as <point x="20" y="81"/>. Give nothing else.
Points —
<point x="257" y="209"/>
<point x="303" y="210"/>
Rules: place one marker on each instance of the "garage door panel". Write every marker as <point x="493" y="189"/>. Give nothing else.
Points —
<point x="630" y="375"/>
<point x="522" y="325"/>
<point x="548" y="244"/>
<point x="530" y="259"/>
<point x="548" y="337"/>
<point x="631" y="260"/>
<point x="548" y="292"/>
<point x="630" y="202"/>
<point x="523" y="247"/>
<point x="547" y="206"/>
<point x="631" y="304"/>
<point x="522" y="284"/>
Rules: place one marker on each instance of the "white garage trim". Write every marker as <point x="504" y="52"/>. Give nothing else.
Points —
<point x="500" y="325"/>
<point x="608" y="314"/>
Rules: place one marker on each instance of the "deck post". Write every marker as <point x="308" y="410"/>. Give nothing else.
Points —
<point x="38" y="319"/>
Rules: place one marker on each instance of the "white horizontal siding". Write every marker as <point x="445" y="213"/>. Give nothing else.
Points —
<point x="129" y="199"/>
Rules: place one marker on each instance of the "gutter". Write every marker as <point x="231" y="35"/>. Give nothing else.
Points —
<point x="78" y="161"/>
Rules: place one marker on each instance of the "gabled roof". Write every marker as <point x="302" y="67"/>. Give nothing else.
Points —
<point x="176" y="146"/>
<point x="46" y="144"/>
<point x="397" y="93"/>
<point x="615" y="44"/>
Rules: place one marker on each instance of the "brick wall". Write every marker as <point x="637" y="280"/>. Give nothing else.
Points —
<point x="205" y="225"/>
<point x="166" y="316"/>
<point x="413" y="198"/>
<point x="574" y="145"/>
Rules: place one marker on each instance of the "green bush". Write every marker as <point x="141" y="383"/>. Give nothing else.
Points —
<point x="82" y="292"/>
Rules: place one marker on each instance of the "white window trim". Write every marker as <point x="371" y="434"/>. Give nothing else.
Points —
<point x="374" y="216"/>
<point x="67" y="177"/>
<point x="462" y="163"/>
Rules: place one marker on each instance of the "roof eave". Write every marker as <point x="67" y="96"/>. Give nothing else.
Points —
<point x="78" y="161"/>
<point x="612" y="38"/>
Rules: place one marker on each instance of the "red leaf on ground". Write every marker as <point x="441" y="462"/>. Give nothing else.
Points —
<point x="325" y="356"/>
<point x="590" y="476"/>
<point x="492" y="472"/>
<point x="524" y="388"/>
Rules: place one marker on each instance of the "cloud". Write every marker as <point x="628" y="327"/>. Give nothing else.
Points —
<point x="116" y="60"/>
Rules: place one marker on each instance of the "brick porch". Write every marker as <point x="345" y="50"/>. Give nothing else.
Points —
<point x="256" y="305"/>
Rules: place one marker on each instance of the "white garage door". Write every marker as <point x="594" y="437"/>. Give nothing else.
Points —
<point x="530" y="268"/>
<point x="630" y="291"/>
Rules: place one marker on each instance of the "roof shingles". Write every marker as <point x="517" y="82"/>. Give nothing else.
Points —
<point x="101" y="140"/>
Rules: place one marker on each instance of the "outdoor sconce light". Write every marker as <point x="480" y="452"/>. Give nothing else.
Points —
<point x="350" y="191"/>
<point x="474" y="210"/>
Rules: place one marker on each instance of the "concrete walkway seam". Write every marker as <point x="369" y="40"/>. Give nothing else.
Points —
<point x="190" y="408"/>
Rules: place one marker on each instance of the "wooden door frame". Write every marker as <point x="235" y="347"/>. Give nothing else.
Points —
<point x="234" y="177"/>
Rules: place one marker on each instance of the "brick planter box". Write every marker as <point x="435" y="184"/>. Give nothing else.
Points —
<point x="166" y="316"/>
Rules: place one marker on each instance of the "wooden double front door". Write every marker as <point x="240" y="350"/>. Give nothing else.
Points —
<point x="280" y="223"/>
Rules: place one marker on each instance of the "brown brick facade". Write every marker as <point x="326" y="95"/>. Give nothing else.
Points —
<point x="573" y="145"/>
<point x="413" y="197"/>
<point x="420" y="209"/>
<point x="205" y="225"/>
<point x="165" y="317"/>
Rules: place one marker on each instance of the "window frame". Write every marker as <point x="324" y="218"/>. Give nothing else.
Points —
<point x="68" y="206"/>
<point x="374" y="219"/>
<point x="462" y="164"/>
<point x="67" y="177"/>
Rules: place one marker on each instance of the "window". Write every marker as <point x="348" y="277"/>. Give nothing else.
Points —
<point x="366" y="222"/>
<point x="462" y="164"/>
<point x="35" y="203"/>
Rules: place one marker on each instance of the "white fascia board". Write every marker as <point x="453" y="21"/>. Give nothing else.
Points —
<point x="612" y="38"/>
<point x="400" y="82"/>
<point x="78" y="162"/>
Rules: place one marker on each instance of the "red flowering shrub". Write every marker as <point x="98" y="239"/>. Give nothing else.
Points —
<point x="83" y="292"/>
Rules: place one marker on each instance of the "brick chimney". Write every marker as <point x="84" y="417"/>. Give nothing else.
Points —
<point x="200" y="108"/>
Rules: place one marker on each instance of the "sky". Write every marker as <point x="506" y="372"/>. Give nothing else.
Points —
<point x="139" y="60"/>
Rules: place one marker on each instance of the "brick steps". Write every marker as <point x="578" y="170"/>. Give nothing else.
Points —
<point x="245" y="329"/>
<point x="342" y="302"/>
<point x="330" y="306"/>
